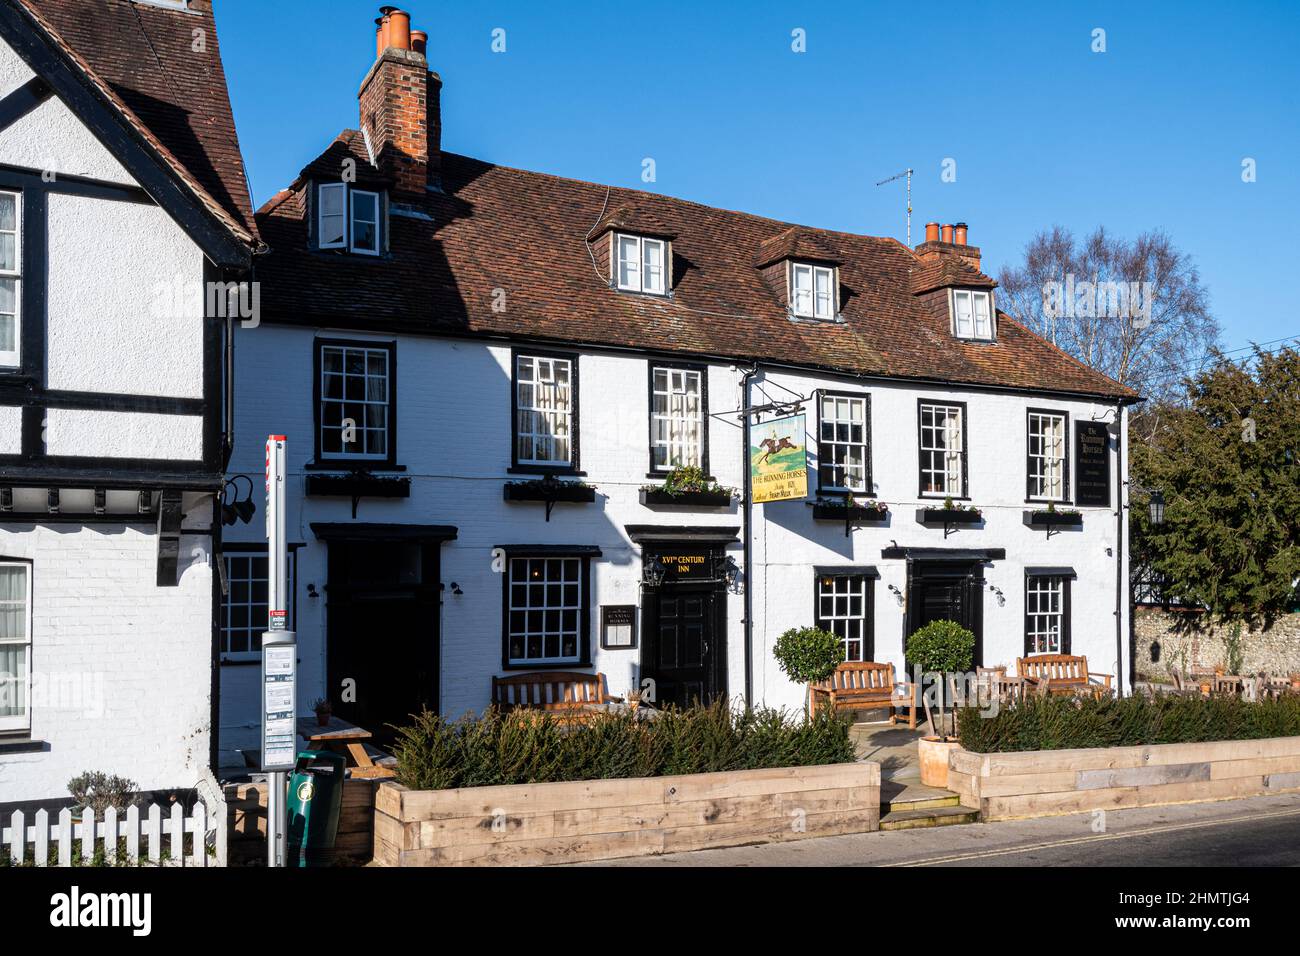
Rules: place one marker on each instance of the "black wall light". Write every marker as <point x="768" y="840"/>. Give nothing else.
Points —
<point x="237" y="509"/>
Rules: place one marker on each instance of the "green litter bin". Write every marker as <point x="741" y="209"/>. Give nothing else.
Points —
<point x="315" y="797"/>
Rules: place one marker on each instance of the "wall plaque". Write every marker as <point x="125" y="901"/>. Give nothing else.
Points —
<point x="617" y="626"/>
<point x="1092" y="464"/>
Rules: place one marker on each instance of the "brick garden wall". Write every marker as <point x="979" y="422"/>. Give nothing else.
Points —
<point x="1275" y="650"/>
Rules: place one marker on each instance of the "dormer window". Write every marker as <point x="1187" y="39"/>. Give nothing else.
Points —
<point x="812" y="291"/>
<point x="349" y="218"/>
<point x="972" y="315"/>
<point x="641" y="264"/>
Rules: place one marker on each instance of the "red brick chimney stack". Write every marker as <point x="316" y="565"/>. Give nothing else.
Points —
<point x="948" y="240"/>
<point x="400" y="110"/>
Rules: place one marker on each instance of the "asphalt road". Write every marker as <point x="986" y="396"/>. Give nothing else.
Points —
<point x="1259" y="831"/>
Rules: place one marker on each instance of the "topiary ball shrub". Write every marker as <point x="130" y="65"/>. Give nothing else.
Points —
<point x="808" y="654"/>
<point x="943" y="646"/>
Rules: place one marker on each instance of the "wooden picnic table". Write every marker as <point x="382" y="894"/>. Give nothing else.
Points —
<point x="342" y="737"/>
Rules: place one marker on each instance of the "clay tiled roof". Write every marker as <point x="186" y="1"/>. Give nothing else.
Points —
<point x="142" y="60"/>
<point x="945" y="272"/>
<point x="518" y="239"/>
<point x="795" y="243"/>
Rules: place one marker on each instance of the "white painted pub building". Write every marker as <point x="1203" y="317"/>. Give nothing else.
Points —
<point x="485" y="376"/>
<point x="122" y="193"/>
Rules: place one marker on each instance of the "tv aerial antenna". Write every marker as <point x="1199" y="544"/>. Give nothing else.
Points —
<point x="908" y="174"/>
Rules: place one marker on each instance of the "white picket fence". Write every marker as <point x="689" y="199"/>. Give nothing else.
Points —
<point x="148" y="836"/>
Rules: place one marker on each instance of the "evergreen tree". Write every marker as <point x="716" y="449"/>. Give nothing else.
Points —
<point x="1226" y="462"/>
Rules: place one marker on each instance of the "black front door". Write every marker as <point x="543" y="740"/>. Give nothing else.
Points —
<point x="383" y="603"/>
<point x="685" y="649"/>
<point x="948" y="591"/>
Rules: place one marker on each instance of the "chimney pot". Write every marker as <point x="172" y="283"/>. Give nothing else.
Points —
<point x="399" y="29"/>
<point x="931" y="232"/>
<point x="959" y="233"/>
<point x="947" y="232"/>
<point x="419" y="41"/>
<point x="379" y="37"/>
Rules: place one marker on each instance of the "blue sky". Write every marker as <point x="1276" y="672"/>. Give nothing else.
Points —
<point x="1043" y="131"/>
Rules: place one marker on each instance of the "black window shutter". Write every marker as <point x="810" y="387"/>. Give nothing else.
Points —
<point x="1028" y="650"/>
<point x="1065" y="615"/>
<point x="868" y="484"/>
<point x="817" y="602"/>
<point x="1029" y="459"/>
<point x="868" y="625"/>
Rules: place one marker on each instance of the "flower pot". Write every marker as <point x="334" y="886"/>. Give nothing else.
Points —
<point x="933" y="757"/>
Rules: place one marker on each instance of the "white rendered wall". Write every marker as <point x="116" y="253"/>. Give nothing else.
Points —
<point x="125" y="300"/>
<point x="131" y="658"/>
<point x="453" y="438"/>
<point x="123" y="434"/>
<point x="11" y="430"/>
<point x="50" y="138"/>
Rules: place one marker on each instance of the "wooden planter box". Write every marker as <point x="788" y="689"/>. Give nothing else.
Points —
<point x="569" y="491"/>
<point x="535" y="824"/>
<point x="948" y="516"/>
<point x="857" y="514"/>
<point x="1044" y="519"/>
<point x="688" y="499"/>
<point x="1040" y="783"/>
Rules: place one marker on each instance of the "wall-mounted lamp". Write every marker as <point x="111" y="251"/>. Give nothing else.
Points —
<point x="998" y="591"/>
<point x="898" y="595"/>
<point x="653" y="574"/>
<point x="311" y="591"/>
<point x="235" y="509"/>
<point x="1157" y="507"/>
<point x="727" y="569"/>
<point x="455" y="588"/>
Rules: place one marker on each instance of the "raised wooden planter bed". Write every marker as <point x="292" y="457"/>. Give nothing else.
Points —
<point x="656" y="498"/>
<point x="1040" y="783"/>
<point x="532" y="824"/>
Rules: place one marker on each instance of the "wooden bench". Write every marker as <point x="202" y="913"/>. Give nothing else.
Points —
<point x="567" y="694"/>
<point x="860" y="685"/>
<point x="1061" y="674"/>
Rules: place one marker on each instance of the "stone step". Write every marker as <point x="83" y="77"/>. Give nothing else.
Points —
<point x="905" y="795"/>
<point x="932" y="817"/>
<point x="905" y="803"/>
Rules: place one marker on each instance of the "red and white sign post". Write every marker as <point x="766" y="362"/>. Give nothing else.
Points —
<point x="279" y="664"/>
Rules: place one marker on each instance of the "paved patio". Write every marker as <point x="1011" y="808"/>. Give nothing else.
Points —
<point x="891" y="746"/>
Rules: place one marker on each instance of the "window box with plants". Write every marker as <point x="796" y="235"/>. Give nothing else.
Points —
<point x="950" y="513"/>
<point x="850" y="509"/>
<point x="550" y="490"/>
<point x="688" y="487"/>
<point x="1052" y="517"/>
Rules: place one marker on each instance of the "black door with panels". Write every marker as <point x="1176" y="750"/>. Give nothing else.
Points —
<point x="947" y="591"/>
<point x="684" y="639"/>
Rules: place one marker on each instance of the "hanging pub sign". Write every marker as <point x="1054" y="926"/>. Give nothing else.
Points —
<point x="778" y="460"/>
<point x="1092" y="463"/>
